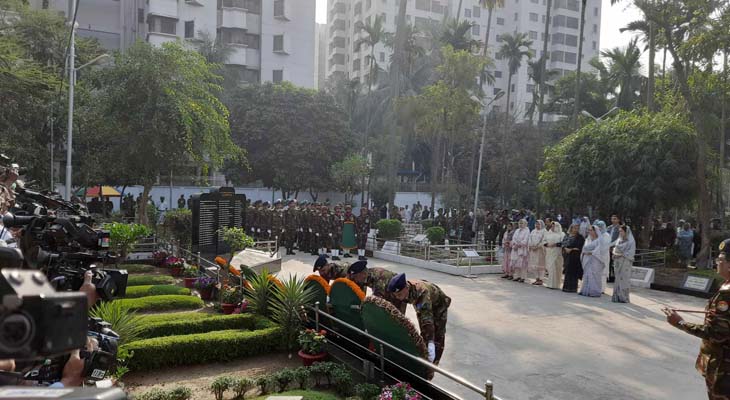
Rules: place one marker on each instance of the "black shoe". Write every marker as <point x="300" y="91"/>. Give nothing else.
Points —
<point x="362" y="258"/>
<point x="335" y="258"/>
<point x="293" y="253"/>
<point x="347" y="255"/>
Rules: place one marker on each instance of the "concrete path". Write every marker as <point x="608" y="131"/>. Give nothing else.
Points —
<point x="540" y="344"/>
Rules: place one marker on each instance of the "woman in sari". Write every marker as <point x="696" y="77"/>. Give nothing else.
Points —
<point x="624" y="250"/>
<point x="553" y="257"/>
<point x="537" y="251"/>
<point x="593" y="264"/>
<point x="572" y="246"/>
<point x="507" y="252"/>
<point x="520" y="251"/>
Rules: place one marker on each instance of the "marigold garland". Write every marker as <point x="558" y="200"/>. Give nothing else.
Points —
<point x="276" y="281"/>
<point x="403" y="321"/>
<point x="234" y="270"/>
<point x="356" y="289"/>
<point x="221" y="261"/>
<point x="322" y="282"/>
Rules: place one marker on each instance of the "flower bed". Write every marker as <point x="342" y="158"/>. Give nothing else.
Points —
<point x="163" y="303"/>
<point x="155" y="290"/>
<point x="200" y="348"/>
<point x="215" y="322"/>
<point x="141" y="280"/>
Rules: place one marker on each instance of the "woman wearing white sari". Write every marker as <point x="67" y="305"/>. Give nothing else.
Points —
<point x="537" y="251"/>
<point x="605" y="239"/>
<point x="553" y="255"/>
<point x="593" y="264"/>
<point x="520" y="251"/>
<point x="623" y="258"/>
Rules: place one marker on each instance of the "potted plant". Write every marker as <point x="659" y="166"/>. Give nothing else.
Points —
<point x="205" y="286"/>
<point x="230" y="297"/>
<point x="311" y="343"/>
<point x="159" y="257"/>
<point x="190" y="274"/>
<point x="399" y="391"/>
<point x="176" y="265"/>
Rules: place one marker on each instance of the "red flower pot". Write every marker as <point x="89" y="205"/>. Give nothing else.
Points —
<point x="189" y="282"/>
<point x="176" y="271"/>
<point x="228" y="308"/>
<point x="309" y="359"/>
<point x="206" y="294"/>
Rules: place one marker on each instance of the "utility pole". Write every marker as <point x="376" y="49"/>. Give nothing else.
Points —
<point x="71" y="83"/>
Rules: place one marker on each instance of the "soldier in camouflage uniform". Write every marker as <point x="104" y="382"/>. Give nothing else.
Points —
<point x="336" y="222"/>
<point x="277" y="223"/>
<point x="362" y="228"/>
<point x="330" y="271"/>
<point x="376" y="279"/>
<point x="431" y="305"/>
<point x="713" y="362"/>
<point x="251" y="219"/>
<point x="291" y="226"/>
<point x="322" y="229"/>
<point x="440" y="220"/>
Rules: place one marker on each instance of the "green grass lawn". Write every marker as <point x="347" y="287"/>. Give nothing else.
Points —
<point x="307" y="394"/>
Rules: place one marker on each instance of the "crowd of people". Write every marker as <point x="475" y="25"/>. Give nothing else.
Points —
<point x="591" y="255"/>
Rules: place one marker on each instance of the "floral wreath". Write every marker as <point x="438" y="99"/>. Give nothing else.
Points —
<point x="356" y="289"/>
<point x="402" y="321"/>
<point x="322" y="282"/>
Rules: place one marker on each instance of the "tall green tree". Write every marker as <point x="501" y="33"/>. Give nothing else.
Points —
<point x="539" y="76"/>
<point x="375" y="34"/>
<point x="349" y="175"/>
<point x="161" y="103"/>
<point x="624" y="65"/>
<point x="490" y="5"/>
<point x="457" y="34"/>
<point x="548" y="11"/>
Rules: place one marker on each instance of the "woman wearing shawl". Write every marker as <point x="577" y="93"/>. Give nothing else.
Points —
<point x="520" y="252"/>
<point x="572" y="246"/>
<point x="623" y="258"/>
<point x="585" y="225"/>
<point x="605" y="239"/>
<point x="553" y="257"/>
<point x="593" y="264"/>
<point x="685" y="239"/>
<point x="507" y="251"/>
<point x="537" y="251"/>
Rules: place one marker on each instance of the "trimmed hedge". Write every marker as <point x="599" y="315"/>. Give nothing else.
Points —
<point x="155" y="290"/>
<point x="142" y="280"/>
<point x="201" y="348"/>
<point x="137" y="268"/>
<point x="163" y="303"/>
<point x="176" y="326"/>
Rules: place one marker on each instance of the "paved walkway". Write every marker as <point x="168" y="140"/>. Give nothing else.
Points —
<point x="540" y="344"/>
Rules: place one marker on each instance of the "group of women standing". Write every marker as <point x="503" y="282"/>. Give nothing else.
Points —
<point x="548" y="251"/>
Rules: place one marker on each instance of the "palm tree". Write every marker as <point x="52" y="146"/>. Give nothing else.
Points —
<point x="413" y="51"/>
<point x="624" y="65"/>
<point x="576" y="107"/>
<point x="490" y="5"/>
<point x="375" y="34"/>
<point x="458" y="35"/>
<point x="545" y="41"/>
<point x="213" y="49"/>
<point x="536" y="74"/>
<point x="646" y="29"/>
<point x="395" y="76"/>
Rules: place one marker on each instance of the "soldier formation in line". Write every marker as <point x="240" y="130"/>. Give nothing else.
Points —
<point x="311" y="227"/>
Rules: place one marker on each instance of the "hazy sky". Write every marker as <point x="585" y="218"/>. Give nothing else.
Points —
<point x="613" y="18"/>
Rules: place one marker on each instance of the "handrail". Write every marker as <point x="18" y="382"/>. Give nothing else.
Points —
<point x="487" y="393"/>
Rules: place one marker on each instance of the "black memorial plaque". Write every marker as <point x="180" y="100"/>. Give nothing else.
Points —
<point x="221" y="208"/>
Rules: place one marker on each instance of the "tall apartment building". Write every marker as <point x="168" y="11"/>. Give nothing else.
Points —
<point x="320" y="66"/>
<point x="272" y="40"/>
<point x="344" y="18"/>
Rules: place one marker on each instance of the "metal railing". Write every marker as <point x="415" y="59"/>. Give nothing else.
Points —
<point x="650" y="258"/>
<point x="486" y="393"/>
<point x="446" y="253"/>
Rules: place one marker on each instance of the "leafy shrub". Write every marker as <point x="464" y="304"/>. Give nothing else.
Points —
<point x="259" y="293"/>
<point x="240" y="386"/>
<point x="137" y="268"/>
<point x="435" y="235"/>
<point x="389" y="228"/>
<point x="301" y="376"/>
<point x="342" y="379"/>
<point x="178" y="225"/>
<point x="311" y="341"/>
<point x="202" y="348"/>
<point x="155" y="290"/>
<point x="181" y="326"/>
<point x="426" y="223"/>
<point x="220" y="385"/>
<point x="367" y="391"/>
<point x="283" y="378"/>
<point x="124" y="321"/>
<point x="265" y="383"/>
<point x="236" y="239"/>
<point x="178" y="393"/>
<point x="123" y="236"/>
<point x="162" y="303"/>
<point x="143" y="280"/>
<point x="286" y="305"/>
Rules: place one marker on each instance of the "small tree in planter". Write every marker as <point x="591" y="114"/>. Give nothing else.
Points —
<point x="123" y="237"/>
<point x="389" y="229"/>
<point x="190" y="274"/>
<point x="435" y="235"/>
<point x="311" y="345"/>
<point x="236" y="239"/>
<point x="230" y="298"/>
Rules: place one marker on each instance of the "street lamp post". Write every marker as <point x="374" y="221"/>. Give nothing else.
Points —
<point x="481" y="157"/>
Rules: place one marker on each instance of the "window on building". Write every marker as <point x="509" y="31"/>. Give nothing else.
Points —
<point x="572" y="22"/>
<point x="533" y="17"/>
<point x="533" y="35"/>
<point x="475" y="30"/>
<point x="512" y="88"/>
<point x="499" y="38"/>
<point x="512" y="105"/>
<point x="467" y="12"/>
<point x="497" y="74"/>
<point x="279" y="8"/>
<point x="595" y="28"/>
<point x="534" y="1"/>
<point x="278" y="76"/>
<point x="595" y="11"/>
<point x="558" y="38"/>
<point x="530" y="88"/>
<point x="279" y="43"/>
<point x="158" y="24"/>
<point x="358" y="9"/>
<point x="250" y="75"/>
<point x="498" y="56"/>
<point x="559" y="20"/>
<point x="570" y="58"/>
<point x="232" y="36"/>
<point x="571" y="40"/>
<point x="528" y="105"/>
<point x="368" y="4"/>
<point x="382" y="57"/>
<point x="500" y="21"/>
<point x="189" y="29"/>
<point x="495" y="92"/>
<point x="356" y="65"/>
<point x="557" y="55"/>
<point x="542" y="36"/>
<point x="252" y="41"/>
<point x="543" y="19"/>
<point x="594" y="45"/>
<point x="423" y="5"/>
<point x="437" y="7"/>
<point x="252" y="7"/>
<point x="517" y="16"/>
<point x="477" y="12"/>
<point x="140" y="15"/>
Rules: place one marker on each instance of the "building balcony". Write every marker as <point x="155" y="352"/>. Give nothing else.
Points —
<point x="337" y="68"/>
<point x="164" y="8"/>
<point x="253" y="58"/>
<point x="157" y="38"/>
<point x="238" y="55"/>
<point x="232" y="18"/>
<point x="337" y="50"/>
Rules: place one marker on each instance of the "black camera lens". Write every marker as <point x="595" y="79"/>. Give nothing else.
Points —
<point x="16" y="331"/>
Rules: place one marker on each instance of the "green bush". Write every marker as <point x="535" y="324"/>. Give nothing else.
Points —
<point x="125" y="322"/>
<point x="302" y="375"/>
<point x="389" y="228"/>
<point x="286" y="305"/>
<point x="435" y="235"/>
<point x="155" y="290"/>
<point x="426" y="223"/>
<point x="220" y="385"/>
<point x="283" y="378"/>
<point x="177" y="326"/>
<point x="175" y="316"/>
<point x="137" y="268"/>
<point x="163" y="303"/>
<point x="202" y="348"/>
<point x="342" y="379"/>
<point x="367" y="391"/>
<point x="178" y="225"/>
<point x="178" y="393"/>
<point x="123" y="236"/>
<point x="143" y="280"/>
<point x="240" y="386"/>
